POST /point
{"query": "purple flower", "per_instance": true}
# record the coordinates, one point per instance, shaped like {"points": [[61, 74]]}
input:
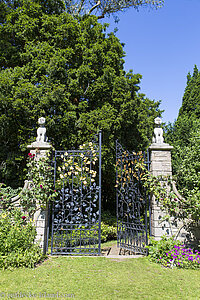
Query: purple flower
{"points": [[23, 217], [177, 247], [41, 186]]}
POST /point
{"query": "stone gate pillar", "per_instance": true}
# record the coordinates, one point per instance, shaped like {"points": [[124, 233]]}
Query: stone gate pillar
{"points": [[39, 148], [160, 156]]}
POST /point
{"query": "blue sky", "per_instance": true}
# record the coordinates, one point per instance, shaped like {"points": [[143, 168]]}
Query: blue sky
{"points": [[163, 45]]}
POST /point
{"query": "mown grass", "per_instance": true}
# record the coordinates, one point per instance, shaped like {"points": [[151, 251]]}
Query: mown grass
{"points": [[101, 278]]}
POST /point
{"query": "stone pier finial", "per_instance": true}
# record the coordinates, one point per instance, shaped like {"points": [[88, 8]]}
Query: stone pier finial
{"points": [[158, 132], [41, 132], [41, 139]]}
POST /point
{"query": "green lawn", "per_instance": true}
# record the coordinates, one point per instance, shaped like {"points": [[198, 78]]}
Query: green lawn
{"points": [[101, 278]]}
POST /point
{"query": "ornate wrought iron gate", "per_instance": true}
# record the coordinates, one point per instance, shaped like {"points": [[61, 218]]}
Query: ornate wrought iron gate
{"points": [[76, 216], [132, 202]]}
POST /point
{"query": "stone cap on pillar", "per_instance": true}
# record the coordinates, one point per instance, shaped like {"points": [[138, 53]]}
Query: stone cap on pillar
{"points": [[160, 147], [39, 145]]}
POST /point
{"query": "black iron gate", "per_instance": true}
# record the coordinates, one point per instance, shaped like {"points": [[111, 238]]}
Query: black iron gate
{"points": [[133, 211], [76, 216]]}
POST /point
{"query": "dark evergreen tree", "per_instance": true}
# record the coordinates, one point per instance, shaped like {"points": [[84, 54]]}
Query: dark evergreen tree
{"points": [[184, 136], [69, 71]]}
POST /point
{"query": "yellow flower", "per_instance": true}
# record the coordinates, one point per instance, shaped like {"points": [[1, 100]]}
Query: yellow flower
{"points": [[59, 168], [84, 182], [66, 153], [61, 176], [69, 173], [90, 144], [3, 216], [78, 168]]}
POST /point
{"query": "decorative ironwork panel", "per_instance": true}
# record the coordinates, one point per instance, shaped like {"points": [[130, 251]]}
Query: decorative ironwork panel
{"points": [[76, 223], [132, 201]]}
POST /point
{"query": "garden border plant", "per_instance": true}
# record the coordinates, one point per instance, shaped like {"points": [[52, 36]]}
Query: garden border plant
{"points": [[17, 230], [172, 253], [169, 251], [17, 236]]}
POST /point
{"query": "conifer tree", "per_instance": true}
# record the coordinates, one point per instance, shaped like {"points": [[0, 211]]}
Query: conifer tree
{"points": [[71, 72], [184, 136]]}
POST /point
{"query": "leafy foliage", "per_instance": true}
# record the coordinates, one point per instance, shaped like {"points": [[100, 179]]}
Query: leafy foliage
{"points": [[184, 135], [41, 192], [17, 235], [38, 193], [103, 8], [176, 208], [7, 193], [158, 249], [69, 71], [108, 227]]}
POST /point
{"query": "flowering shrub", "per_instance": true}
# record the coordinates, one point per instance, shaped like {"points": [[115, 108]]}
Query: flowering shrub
{"points": [[17, 235], [79, 168], [171, 253], [40, 173]]}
